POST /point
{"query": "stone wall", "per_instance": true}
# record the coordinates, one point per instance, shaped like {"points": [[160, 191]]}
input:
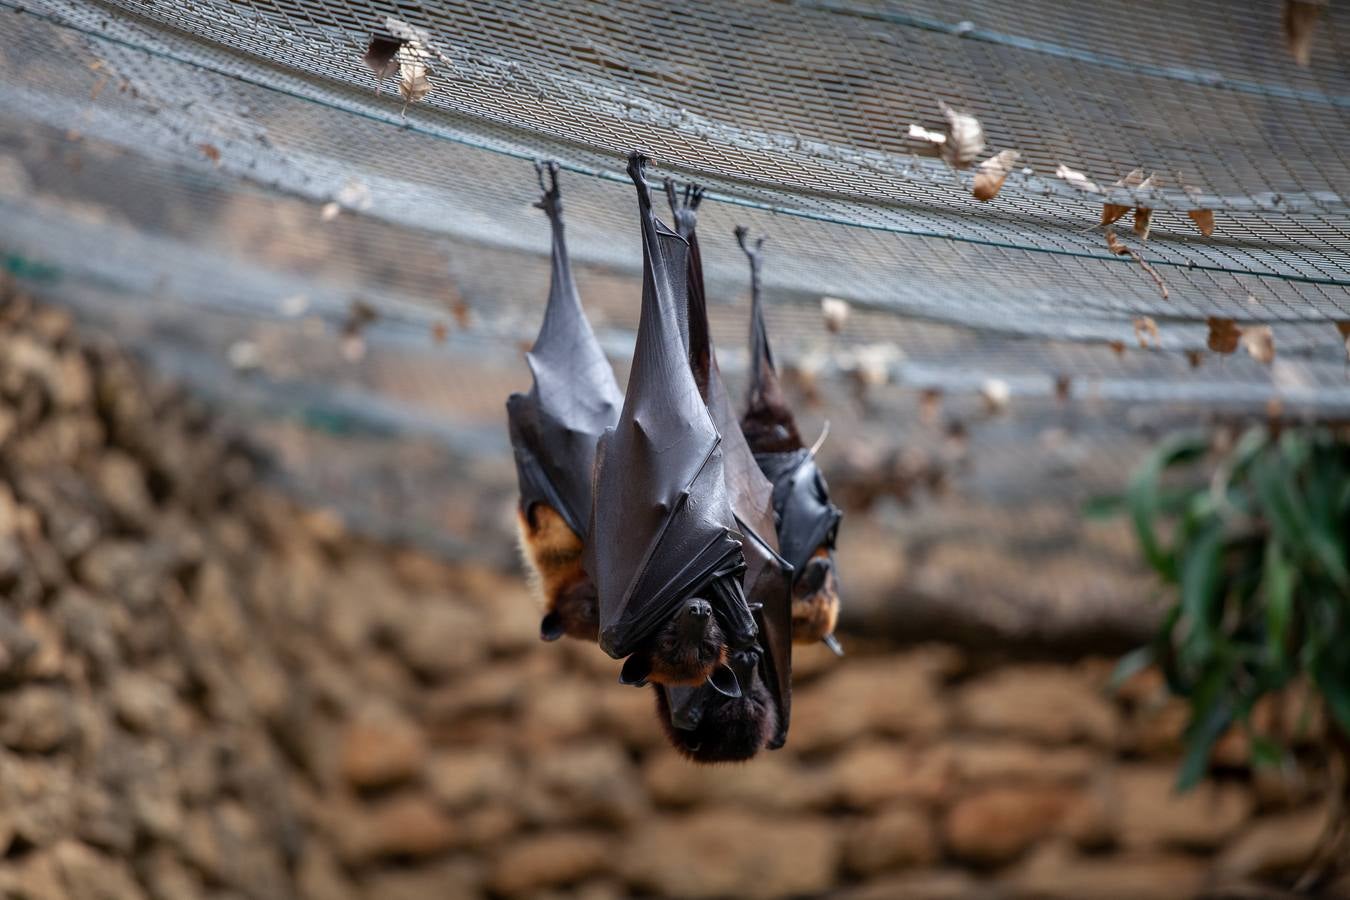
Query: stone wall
{"points": [[207, 692]]}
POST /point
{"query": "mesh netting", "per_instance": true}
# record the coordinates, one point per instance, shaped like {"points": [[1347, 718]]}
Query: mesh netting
{"points": [[164, 166]]}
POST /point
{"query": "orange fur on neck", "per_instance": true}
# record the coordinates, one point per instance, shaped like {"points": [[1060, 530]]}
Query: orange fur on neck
{"points": [[552, 553]]}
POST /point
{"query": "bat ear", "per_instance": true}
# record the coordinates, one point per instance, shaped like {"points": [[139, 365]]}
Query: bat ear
{"points": [[724, 681], [551, 627], [635, 670]]}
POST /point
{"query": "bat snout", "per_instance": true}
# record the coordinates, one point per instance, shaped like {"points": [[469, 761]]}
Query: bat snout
{"points": [[698, 609]]}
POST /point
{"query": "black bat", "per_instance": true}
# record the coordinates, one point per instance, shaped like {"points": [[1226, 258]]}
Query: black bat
{"points": [[554, 429], [808, 523], [664, 547], [700, 723]]}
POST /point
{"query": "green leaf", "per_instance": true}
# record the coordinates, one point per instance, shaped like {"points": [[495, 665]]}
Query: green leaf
{"points": [[1277, 587], [1132, 664], [1201, 573], [1266, 753], [1107, 506], [1142, 495], [1200, 738]]}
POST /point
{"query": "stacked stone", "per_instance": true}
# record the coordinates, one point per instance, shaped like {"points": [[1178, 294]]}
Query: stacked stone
{"points": [[207, 692]]}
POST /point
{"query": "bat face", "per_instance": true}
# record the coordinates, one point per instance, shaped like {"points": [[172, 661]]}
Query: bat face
{"points": [[552, 553], [707, 727], [815, 599]]}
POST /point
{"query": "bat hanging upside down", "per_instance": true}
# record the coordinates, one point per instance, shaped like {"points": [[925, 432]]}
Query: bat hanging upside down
{"points": [[808, 523], [554, 429]]}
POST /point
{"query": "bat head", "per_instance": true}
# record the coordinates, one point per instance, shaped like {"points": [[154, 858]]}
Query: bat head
{"points": [[708, 727], [815, 598], [688, 649], [552, 553]]}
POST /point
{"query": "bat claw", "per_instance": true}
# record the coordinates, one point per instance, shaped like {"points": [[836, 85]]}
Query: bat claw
{"points": [[832, 642], [550, 200]]}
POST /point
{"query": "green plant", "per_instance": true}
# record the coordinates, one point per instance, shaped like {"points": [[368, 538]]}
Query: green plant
{"points": [[1254, 542]]}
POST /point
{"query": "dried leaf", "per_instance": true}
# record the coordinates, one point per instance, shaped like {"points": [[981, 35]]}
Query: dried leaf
{"points": [[1117, 246], [1203, 219], [460, 310], [330, 211], [1063, 388], [414, 78], [1146, 332], [935, 139], [965, 138], [440, 332], [1077, 179], [930, 405], [996, 395], [1274, 409], [1195, 358], [1344, 328], [294, 306], [355, 195], [380, 57], [1300, 24], [211, 152], [1224, 335], [359, 315], [835, 312], [244, 356], [1111, 213], [1142, 217], [1259, 341], [1117, 347], [989, 179]]}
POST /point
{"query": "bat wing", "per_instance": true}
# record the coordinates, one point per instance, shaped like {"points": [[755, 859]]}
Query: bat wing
{"points": [[768, 421], [664, 526], [574, 398], [806, 517]]}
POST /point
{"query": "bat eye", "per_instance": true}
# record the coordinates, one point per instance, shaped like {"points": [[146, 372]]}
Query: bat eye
{"points": [[635, 670], [551, 627], [724, 681]]}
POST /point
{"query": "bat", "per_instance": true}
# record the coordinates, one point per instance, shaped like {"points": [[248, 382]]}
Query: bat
{"points": [[553, 430], [808, 523], [702, 724], [664, 546]]}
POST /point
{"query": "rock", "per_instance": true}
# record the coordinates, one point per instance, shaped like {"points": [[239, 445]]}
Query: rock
{"points": [[121, 484], [17, 644], [558, 710], [319, 877], [166, 877], [593, 782], [548, 860], [381, 747], [88, 875], [896, 837], [104, 822], [38, 798], [439, 639], [731, 853], [771, 781], [1044, 703], [1155, 730], [890, 695], [938, 884], [33, 876], [466, 778], [487, 825], [142, 703], [1274, 845], [456, 877], [48, 659], [36, 719], [1152, 813], [1056, 873], [871, 773], [628, 714], [1002, 761], [405, 826], [998, 824]]}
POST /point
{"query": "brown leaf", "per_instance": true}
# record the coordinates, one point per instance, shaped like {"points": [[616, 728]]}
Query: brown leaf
{"points": [[989, 179], [1146, 332], [1063, 388], [211, 152], [1343, 327], [1077, 179], [932, 140], [440, 332], [460, 310], [1195, 357], [1300, 24], [1259, 341], [1274, 409], [965, 138], [1111, 213], [1117, 246], [1224, 335], [380, 57], [1117, 347], [835, 313], [930, 405], [996, 395], [1203, 219], [359, 315], [1142, 217]]}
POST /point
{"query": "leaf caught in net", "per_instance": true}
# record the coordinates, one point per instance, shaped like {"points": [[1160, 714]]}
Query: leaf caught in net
{"points": [[1077, 179], [380, 57], [1300, 24], [211, 152], [1224, 335], [1146, 332], [989, 179], [965, 138], [1343, 328], [1117, 246], [1203, 219], [996, 395], [835, 312], [1259, 341]]}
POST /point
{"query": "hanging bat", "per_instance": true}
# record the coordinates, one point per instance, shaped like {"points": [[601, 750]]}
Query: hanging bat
{"points": [[664, 546], [554, 429], [808, 523], [702, 724]]}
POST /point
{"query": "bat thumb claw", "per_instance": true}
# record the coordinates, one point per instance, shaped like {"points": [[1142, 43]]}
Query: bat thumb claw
{"points": [[832, 642]]}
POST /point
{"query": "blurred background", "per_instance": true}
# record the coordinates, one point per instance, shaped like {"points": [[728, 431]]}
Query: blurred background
{"points": [[265, 632]]}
